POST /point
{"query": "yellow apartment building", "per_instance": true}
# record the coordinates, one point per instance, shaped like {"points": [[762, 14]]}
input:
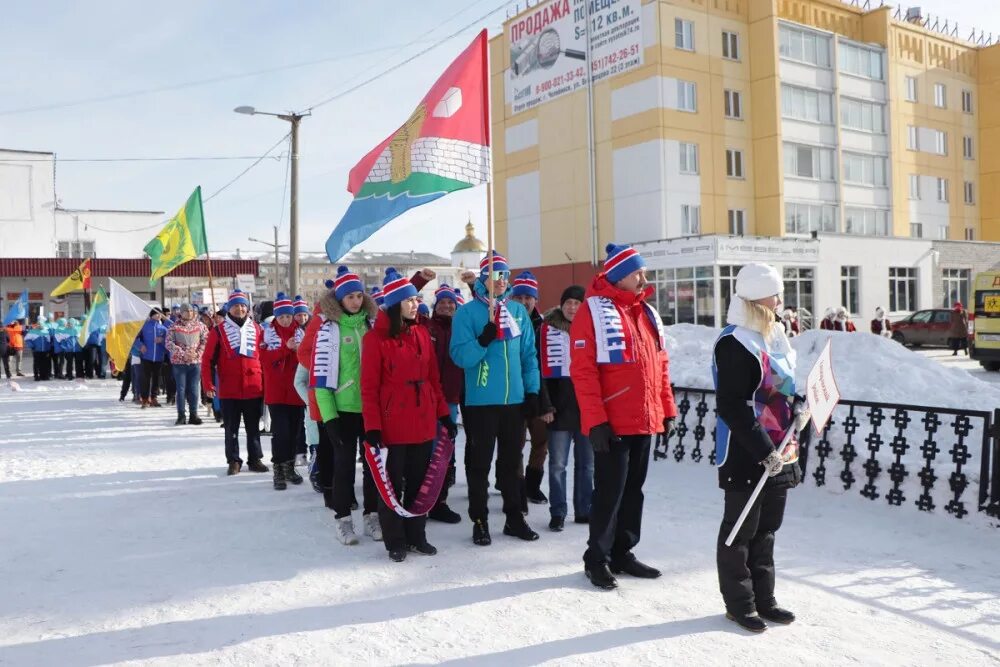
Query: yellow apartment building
{"points": [[848, 146]]}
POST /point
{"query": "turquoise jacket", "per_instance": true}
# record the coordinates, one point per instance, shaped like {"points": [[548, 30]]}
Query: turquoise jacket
{"points": [[504, 371]]}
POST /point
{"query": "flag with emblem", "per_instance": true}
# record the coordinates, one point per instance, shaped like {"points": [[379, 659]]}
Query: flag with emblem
{"points": [[79, 279], [444, 146], [181, 239]]}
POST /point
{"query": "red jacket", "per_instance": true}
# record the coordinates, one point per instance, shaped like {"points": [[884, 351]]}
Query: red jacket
{"points": [[452, 376], [279, 363], [400, 387], [239, 377], [635, 397]]}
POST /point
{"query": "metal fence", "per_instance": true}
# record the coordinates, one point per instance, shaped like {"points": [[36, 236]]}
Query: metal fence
{"points": [[887, 431]]}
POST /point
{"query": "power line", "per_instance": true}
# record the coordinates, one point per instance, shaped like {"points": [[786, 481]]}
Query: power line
{"points": [[199, 158], [408, 60], [242, 173]]}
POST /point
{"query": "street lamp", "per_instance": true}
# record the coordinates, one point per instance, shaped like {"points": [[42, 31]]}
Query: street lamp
{"points": [[293, 226]]}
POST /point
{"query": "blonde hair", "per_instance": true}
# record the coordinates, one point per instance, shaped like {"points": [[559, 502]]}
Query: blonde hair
{"points": [[760, 319]]}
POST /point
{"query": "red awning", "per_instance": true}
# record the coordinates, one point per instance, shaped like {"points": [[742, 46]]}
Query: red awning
{"points": [[58, 267]]}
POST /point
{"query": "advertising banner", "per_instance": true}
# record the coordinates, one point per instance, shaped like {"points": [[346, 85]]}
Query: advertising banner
{"points": [[548, 47]]}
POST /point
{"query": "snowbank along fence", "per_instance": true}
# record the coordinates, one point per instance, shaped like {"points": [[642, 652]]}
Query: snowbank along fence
{"points": [[905, 444]]}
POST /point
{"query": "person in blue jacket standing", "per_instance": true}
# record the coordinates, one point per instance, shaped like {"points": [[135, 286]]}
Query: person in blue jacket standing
{"points": [[497, 352], [152, 349], [38, 339]]}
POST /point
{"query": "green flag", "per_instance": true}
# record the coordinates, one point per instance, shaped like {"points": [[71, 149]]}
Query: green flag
{"points": [[97, 317], [181, 239]]}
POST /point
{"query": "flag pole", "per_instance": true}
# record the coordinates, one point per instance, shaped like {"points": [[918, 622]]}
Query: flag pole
{"points": [[487, 101], [211, 288]]}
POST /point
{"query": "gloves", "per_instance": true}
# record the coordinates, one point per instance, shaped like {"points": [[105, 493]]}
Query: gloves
{"points": [[531, 408], [601, 437], [374, 438], [802, 419], [773, 463], [449, 426], [669, 427], [488, 335]]}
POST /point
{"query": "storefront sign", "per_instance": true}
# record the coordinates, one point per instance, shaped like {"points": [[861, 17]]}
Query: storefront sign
{"points": [[767, 250], [548, 47]]}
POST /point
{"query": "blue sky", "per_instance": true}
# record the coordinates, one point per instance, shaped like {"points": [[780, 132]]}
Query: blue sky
{"points": [[60, 51], [66, 51]]}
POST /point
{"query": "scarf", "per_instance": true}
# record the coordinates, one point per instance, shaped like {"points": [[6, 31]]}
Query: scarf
{"points": [[555, 352], [325, 369], [272, 339], [507, 327], [430, 488], [241, 339], [614, 341]]}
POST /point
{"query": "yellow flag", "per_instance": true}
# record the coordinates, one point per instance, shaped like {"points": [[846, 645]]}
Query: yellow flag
{"points": [[128, 314], [79, 279]]}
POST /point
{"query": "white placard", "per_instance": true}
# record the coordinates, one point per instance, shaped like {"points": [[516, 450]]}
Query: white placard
{"points": [[245, 282], [821, 387]]}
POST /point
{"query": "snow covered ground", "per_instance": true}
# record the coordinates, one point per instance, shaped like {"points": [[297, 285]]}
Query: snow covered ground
{"points": [[124, 542]]}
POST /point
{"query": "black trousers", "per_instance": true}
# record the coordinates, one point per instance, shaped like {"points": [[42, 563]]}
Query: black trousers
{"points": [[167, 378], [58, 359], [746, 569], [405, 466], [41, 363], [79, 362], [616, 508], [324, 454], [351, 431], [126, 376], [488, 427], [232, 410], [6, 363], [286, 430], [151, 379]]}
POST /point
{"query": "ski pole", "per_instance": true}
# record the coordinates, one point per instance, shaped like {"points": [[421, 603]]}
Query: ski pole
{"points": [[757, 490]]}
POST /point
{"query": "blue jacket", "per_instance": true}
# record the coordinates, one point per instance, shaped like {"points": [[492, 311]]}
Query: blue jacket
{"points": [[504, 371], [151, 330], [38, 340], [97, 336]]}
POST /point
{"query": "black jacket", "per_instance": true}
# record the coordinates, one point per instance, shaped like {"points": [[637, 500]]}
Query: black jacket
{"points": [[749, 444], [560, 390]]}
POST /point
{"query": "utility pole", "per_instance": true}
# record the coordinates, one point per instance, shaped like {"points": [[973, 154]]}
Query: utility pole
{"points": [[277, 260]]}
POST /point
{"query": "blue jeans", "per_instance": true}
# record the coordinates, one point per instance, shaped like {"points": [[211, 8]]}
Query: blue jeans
{"points": [[187, 378], [583, 473]]}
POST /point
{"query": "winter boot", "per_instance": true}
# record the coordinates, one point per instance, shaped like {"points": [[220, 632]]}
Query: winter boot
{"points": [[345, 531], [777, 615], [398, 555], [481, 533], [372, 527], [217, 415], [556, 524], [519, 529], [635, 568], [601, 577], [290, 474], [144, 403], [751, 622], [181, 420], [153, 403], [426, 549], [255, 465], [279, 477], [444, 514], [533, 480], [195, 420], [328, 497], [234, 468]]}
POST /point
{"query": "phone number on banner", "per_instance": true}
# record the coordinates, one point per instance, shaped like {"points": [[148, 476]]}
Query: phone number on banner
{"points": [[561, 80], [615, 58]]}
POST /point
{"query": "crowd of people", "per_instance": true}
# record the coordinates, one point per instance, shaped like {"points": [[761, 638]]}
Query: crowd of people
{"points": [[56, 349], [378, 375]]}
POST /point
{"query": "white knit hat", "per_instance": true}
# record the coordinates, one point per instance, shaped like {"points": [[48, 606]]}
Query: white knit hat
{"points": [[758, 281]]}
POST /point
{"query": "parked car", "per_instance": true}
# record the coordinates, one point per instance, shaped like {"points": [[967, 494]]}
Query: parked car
{"points": [[924, 327]]}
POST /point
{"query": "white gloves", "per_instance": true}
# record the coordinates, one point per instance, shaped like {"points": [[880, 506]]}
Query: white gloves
{"points": [[802, 419], [773, 463]]}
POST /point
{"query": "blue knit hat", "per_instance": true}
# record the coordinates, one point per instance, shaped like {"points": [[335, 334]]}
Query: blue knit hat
{"points": [[300, 306], [377, 296], [396, 288], [424, 309], [237, 296], [525, 285], [346, 283], [499, 263], [444, 292], [283, 305], [622, 261]]}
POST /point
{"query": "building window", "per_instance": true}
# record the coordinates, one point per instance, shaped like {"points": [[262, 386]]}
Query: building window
{"points": [[799, 290], [688, 158], [804, 45], [912, 138], [730, 45], [865, 169], [940, 142], [911, 89], [734, 104], [809, 162], [970, 193], [684, 34], [737, 221], [687, 96], [915, 186], [849, 289], [75, 249], [685, 295], [902, 289], [863, 116], [866, 221], [955, 286], [727, 284], [916, 230], [806, 104], [967, 152], [734, 163], [807, 218], [967, 101], [940, 96], [970, 234], [942, 232], [942, 189], [690, 220], [860, 61]]}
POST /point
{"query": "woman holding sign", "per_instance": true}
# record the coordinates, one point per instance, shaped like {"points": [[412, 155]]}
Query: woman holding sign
{"points": [[754, 371], [402, 405]]}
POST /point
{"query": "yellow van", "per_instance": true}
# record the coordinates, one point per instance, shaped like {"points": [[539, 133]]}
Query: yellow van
{"points": [[985, 320]]}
